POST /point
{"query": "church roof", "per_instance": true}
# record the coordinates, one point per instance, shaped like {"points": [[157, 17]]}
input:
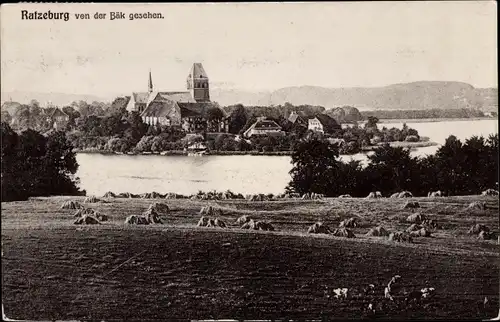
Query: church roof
{"points": [[141, 97], [184, 97], [159, 108], [197, 71]]}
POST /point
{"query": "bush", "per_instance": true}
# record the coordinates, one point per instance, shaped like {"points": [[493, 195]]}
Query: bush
{"points": [[411, 138]]}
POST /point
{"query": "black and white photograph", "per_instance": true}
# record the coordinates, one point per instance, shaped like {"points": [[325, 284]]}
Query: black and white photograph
{"points": [[241, 161]]}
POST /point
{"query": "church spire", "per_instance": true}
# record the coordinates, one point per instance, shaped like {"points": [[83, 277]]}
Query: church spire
{"points": [[150, 82]]}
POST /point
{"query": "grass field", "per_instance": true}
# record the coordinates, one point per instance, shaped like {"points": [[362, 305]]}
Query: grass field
{"points": [[52, 269]]}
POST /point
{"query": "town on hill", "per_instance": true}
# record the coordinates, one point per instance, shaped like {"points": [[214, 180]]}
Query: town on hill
{"points": [[158, 121]]}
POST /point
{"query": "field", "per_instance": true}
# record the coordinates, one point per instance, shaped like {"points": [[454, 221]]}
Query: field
{"points": [[52, 269]]}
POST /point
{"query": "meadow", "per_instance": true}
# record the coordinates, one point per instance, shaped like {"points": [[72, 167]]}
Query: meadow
{"points": [[53, 269]]}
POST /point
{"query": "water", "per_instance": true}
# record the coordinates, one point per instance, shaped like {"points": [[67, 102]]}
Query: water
{"points": [[240, 173]]}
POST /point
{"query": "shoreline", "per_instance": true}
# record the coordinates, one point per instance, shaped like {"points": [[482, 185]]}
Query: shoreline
{"points": [[434, 120], [421, 144]]}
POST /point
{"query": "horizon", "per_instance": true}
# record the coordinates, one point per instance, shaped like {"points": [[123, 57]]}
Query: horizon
{"points": [[388, 43]]}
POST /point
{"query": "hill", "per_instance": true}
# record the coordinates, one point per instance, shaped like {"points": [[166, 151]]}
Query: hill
{"points": [[413, 96], [406, 96]]}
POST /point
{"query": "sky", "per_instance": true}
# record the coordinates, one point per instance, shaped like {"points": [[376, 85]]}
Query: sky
{"points": [[253, 47]]}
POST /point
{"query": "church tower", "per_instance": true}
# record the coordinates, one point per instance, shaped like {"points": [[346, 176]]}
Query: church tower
{"points": [[197, 83], [150, 83]]}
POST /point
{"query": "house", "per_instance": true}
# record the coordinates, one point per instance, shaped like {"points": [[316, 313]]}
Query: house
{"points": [[322, 123], [57, 118], [263, 126], [186, 109], [297, 119]]}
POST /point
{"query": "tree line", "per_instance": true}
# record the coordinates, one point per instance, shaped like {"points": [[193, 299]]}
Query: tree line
{"points": [[434, 113], [111, 128], [458, 168]]}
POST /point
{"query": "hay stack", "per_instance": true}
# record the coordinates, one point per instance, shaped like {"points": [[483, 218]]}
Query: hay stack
{"points": [[343, 232], [219, 223], [416, 218], [422, 232], [319, 228], [250, 224], [243, 219], [405, 194], [109, 194], [136, 220], [259, 197], [152, 216], [345, 196], [91, 199], [70, 204], [211, 222], [83, 211], [374, 195], [210, 211], [433, 194], [378, 231], [485, 235], [411, 205], [90, 212], [400, 237], [490, 192], [202, 222], [430, 223], [351, 223], [262, 225], [126, 195], [414, 227], [86, 220], [478, 228], [257, 225], [171, 195], [159, 207], [477, 205]]}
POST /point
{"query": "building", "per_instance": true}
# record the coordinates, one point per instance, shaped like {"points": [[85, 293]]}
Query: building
{"points": [[263, 126], [323, 123], [57, 118], [188, 109], [297, 119]]}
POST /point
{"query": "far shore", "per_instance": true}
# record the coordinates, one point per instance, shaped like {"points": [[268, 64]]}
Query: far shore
{"points": [[433, 120], [268, 153]]}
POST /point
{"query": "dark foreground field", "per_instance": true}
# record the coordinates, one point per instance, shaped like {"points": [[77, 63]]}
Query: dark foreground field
{"points": [[52, 269]]}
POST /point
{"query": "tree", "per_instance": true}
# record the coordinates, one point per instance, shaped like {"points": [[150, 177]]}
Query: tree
{"points": [[237, 119], [5, 117], [214, 117], [392, 169], [34, 165], [371, 122], [73, 115], [315, 167]]}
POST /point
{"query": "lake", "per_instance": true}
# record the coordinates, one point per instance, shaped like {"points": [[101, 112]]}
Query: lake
{"points": [[240, 173]]}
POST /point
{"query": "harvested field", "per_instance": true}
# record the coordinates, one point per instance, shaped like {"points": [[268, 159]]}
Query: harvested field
{"points": [[52, 269]]}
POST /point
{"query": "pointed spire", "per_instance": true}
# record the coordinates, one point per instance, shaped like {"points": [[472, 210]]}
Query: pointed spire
{"points": [[150, 82]]}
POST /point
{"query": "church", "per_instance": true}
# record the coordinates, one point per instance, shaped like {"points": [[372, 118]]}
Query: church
{"points": [[189, 110]]}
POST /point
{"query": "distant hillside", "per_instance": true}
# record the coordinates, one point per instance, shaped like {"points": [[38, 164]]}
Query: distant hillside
{"points": [[409, 96], [413, 96], [58, 99]]}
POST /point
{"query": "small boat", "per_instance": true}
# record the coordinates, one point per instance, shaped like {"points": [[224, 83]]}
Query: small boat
{"points": [[197, 149], [163, 152], [196, 154]]}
